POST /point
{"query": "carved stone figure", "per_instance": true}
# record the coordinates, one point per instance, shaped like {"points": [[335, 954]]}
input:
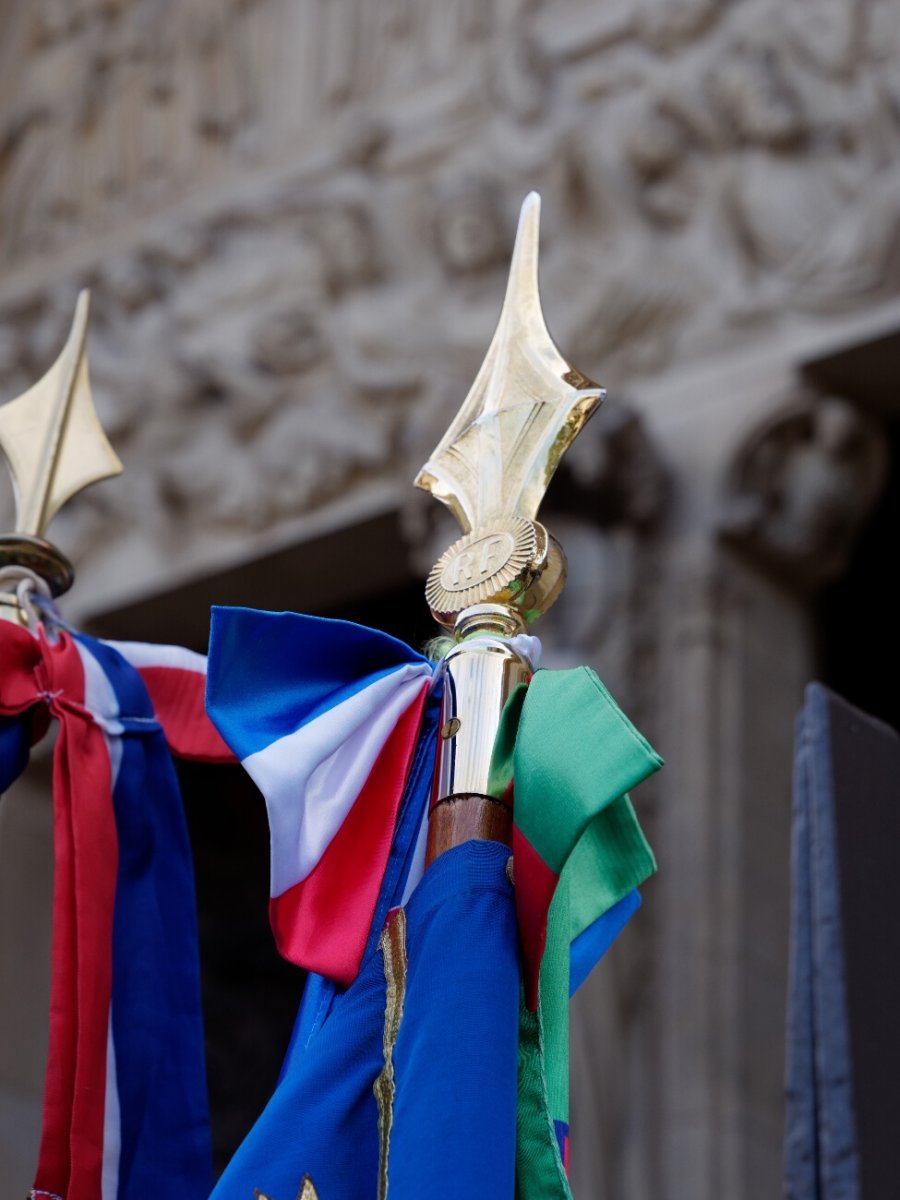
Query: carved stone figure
{"points": [[657, 150], [802, 485], [753, 94], [469, 227]]}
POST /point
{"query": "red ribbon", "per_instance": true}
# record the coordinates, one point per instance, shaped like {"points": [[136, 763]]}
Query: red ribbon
{"points": [[48, 677]]}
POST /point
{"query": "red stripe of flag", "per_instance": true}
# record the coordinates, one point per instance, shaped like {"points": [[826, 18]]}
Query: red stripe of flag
{"points": [[86, 853], [177, 695], [535, 885], [321, 922], [86, 776]]}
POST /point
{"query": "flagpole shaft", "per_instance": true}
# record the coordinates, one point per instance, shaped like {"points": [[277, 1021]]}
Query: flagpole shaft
{"points": [[10, 610], [33, 554], [480, 675], [458, 819]]}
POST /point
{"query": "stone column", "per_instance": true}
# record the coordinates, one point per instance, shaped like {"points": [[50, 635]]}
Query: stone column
{"points": [[736, 654], [678, 1039]]}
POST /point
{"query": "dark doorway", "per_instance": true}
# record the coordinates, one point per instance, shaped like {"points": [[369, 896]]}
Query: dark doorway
{"points": [[859, 615]]}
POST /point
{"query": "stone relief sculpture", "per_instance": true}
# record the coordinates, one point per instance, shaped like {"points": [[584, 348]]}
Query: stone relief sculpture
{"points": [[814, 225], [802, 485], [323, 228]]}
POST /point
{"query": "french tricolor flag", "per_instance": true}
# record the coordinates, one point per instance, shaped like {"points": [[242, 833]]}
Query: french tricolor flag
{"points": [[325, 716], [125, 1107]]}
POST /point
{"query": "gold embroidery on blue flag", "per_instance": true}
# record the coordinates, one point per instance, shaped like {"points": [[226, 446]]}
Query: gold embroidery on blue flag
{"points": [[307, 1191], [393, 949]]}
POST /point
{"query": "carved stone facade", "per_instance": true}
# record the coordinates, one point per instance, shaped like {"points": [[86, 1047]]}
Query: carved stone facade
{"points": [[295, 220]]}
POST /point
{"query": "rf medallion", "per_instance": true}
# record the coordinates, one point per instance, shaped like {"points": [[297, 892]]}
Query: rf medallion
{"points": [[494, 565]]}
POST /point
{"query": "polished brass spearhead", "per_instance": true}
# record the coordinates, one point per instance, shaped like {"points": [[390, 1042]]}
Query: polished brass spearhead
{"points": [[55, 447], [493, 465]]}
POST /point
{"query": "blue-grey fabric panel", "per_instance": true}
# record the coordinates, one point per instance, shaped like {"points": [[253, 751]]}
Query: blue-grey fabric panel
{"points": [[821, 1157]]}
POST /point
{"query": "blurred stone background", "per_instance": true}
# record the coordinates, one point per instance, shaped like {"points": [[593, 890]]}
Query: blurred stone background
{"points": [[295, 219]]}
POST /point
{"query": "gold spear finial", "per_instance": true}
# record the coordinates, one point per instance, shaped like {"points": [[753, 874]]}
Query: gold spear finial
{"points": [[55, 447], [493, 465]]}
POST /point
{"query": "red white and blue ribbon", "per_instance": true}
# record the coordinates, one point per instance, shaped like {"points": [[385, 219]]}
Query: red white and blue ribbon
{"points": [[125, 1109], [324, 715]]}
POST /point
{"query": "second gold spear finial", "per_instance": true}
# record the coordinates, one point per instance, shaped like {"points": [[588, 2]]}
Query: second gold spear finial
{"points": [[55, 447], [493, 465]]}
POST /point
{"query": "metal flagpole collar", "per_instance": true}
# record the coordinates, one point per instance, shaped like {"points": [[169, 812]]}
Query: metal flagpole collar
{"points": [[487, 619], [39, 556]]}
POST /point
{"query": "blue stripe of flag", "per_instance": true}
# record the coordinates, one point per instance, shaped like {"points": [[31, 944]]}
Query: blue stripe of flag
{"points": [[270, 673], [156, 1013], [15, 741], [592, 943]]}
